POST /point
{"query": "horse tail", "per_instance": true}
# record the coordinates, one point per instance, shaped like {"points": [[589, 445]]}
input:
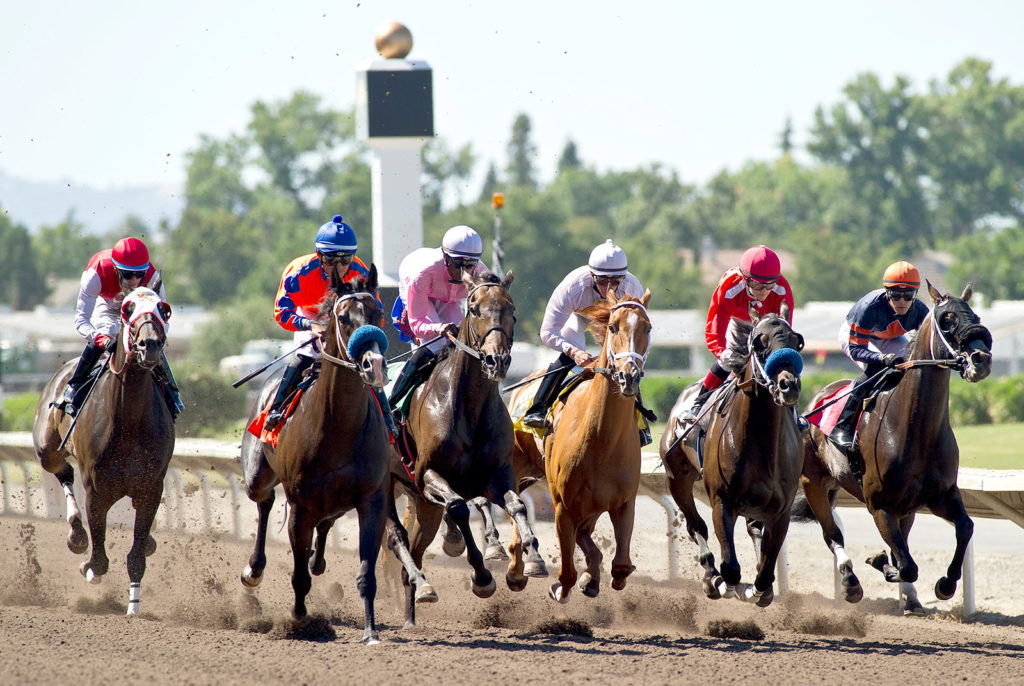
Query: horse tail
{"points": [[801, 509]]}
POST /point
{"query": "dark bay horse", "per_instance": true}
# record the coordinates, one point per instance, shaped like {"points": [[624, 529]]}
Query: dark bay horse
{"points": [[123, 440], [462, 435], [752, 456], [910, 454], [333, 453], [591, 457]]}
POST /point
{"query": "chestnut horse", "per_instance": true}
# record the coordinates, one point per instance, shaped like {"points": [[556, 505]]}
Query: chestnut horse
{"points": [[123, 439], [333, 453], [461, 434], [752, 455], [591, 457], [910, 454]]}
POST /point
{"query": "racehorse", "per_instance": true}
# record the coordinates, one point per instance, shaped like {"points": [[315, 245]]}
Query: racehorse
{"points": [[591, 457], [752, 455], [123, 439], [461, 434], [333, 454], [910, 454]]}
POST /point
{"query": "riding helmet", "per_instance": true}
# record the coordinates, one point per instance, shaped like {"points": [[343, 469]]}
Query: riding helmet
{"points": [[130, 254], [336, 236], [761, 264], [607, 259]]}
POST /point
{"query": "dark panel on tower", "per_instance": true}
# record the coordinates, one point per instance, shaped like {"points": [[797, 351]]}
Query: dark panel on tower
{"points": [[399, 103]]}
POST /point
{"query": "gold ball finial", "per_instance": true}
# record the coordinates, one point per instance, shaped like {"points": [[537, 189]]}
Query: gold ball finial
{"points": [[393, 40]]}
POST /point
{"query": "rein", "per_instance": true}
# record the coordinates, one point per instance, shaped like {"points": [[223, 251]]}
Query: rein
{"points": [[341, 362]]}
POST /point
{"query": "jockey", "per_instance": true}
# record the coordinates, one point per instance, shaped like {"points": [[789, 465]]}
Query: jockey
{"points": [[565, 319], [874, 337], [432, 294], [109, 276], [757, 281], [304, 285]]}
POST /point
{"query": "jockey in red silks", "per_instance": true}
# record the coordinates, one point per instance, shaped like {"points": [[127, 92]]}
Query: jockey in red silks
{"points": [[566, 317], [757, 281], [107, 279], [431, 295], [304, 285], [874, 337]]}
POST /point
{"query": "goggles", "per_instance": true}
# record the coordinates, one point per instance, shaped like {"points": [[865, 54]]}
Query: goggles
{"points": [[331, 259], [610, 281], [894, 295], [129, 274], [760, 285], [464, 263]]}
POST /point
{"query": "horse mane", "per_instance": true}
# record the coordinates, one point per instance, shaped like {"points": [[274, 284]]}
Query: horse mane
{"points": [[599, 315]]}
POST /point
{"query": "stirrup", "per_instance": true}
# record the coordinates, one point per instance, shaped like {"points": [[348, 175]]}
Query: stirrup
{"points": [[274, 417], [536, 420], [645, 437]]}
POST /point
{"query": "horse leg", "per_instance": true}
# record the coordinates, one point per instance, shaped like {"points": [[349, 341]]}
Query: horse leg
{"points": [[300, 534], [889, 526], [372, 518], [452, 542], [533, 563], [145, 513], [97, 564], [317, 563], [437, 489], [78, 539], [681, 488], [590, 580], [514, 576], [818, 501], [725, 523], [951, 508], [252, 575], [566, 529], [774, 534], [413, 579], [421, 521], [755, 530], [622, 524], [493, 549]]}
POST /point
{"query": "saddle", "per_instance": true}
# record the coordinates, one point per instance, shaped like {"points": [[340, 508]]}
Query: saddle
{"points": [[290, 402]]}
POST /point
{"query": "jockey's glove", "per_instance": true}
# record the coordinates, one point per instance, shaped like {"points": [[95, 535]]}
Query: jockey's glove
{"points": [[892, 359]]}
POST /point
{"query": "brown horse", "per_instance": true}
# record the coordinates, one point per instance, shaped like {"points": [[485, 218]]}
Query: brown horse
{"points": [[752, 456], [462, 435], [123, 439], [910, 454], [333, 454], [591, 457]]}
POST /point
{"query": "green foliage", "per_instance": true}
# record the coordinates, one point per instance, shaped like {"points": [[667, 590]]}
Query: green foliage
{"points": [[21, 282], [1006, 399], [521, 152], [19, 411], [992, 262], [661, 392], [242, 320], [63, 250], [969, 403], [211, 404]]}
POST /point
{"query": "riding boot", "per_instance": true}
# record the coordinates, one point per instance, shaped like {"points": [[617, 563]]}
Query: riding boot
{"points": [[843, 433], [385, 410], [170, 388], [537, 416], [649, 417], [289, 380], [86, 362], [419, 365], [698, 403]]}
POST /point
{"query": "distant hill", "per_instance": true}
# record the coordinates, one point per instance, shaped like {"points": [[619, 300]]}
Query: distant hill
{"points": [[34, 204]]}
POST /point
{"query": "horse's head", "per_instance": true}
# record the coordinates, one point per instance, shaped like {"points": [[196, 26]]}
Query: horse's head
{"points": [[490, 322], [352, 316], [144, 319], [965, 339], [624, 329], [775, 355]]}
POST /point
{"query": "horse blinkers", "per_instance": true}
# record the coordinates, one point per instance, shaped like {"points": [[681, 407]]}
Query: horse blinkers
{"points": [[960, 327]]}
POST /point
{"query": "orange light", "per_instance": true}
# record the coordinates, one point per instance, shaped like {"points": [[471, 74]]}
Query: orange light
{"points": [[498, 201]]}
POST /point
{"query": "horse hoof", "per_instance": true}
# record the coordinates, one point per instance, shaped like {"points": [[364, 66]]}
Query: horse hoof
{"points": [[495, 552], [316, 568], [370, 638], [425, 594], [764, 599], [90, 576], [908, 574], [249, 577], [589, 586], [555, 592], [945, 588], [515, 583], [854, 593], [78, 539], [535, 569], [301, 622], [150, 546], [711, 589], [133, 608], [726, 590], [878, 561], [486, 590], [452, 544], [913, 608]]}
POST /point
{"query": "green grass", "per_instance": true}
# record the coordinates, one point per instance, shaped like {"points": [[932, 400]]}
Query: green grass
{"points": [[991, 446]]}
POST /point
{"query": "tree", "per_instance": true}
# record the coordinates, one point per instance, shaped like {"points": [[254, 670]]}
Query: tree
{"points": [[521, 153], [786, 138], [21, 283], [569, 159], [991, 261], [490, 184], [63, 250], [444, 170]]}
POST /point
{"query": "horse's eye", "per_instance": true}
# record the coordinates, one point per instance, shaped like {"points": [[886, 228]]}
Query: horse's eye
{"points": [[475, 311], [614, 328], [948, 320]]}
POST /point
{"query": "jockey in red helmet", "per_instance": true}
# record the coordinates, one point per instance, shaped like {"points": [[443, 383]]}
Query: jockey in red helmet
{"points": [[756, 281], [109, 276]]}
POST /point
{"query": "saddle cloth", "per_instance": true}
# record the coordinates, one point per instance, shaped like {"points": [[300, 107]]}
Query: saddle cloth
{"points": [[827, 418], [271, 437]]}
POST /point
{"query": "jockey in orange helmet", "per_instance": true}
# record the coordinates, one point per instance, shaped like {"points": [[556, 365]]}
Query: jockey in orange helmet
{"points": [[874, 337], [109, 276], [304, 285], [756, 281]]}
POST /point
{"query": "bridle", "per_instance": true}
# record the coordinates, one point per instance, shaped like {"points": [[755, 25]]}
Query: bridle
{"points": [[476, 351], [632, 357], [345, 361], [959, 359], [129, 336], [759, 373]]}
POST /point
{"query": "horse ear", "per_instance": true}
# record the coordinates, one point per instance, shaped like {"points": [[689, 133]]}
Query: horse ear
{"points": [[784, 311], [968, 291], [371, 280], [646, 299], [468, 280], [934, 292], [611, 296], [127, 309], [755, 316], [507, 281], [165, 310]]}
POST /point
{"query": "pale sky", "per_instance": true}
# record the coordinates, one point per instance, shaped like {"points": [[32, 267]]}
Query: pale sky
{"points": [[111, 94]]}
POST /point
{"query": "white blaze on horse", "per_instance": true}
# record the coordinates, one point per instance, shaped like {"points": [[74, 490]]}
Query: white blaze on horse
{"points": [[122, 439]]}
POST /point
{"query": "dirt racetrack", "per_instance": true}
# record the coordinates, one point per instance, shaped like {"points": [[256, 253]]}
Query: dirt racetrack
{"points": [[198, 627]]}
